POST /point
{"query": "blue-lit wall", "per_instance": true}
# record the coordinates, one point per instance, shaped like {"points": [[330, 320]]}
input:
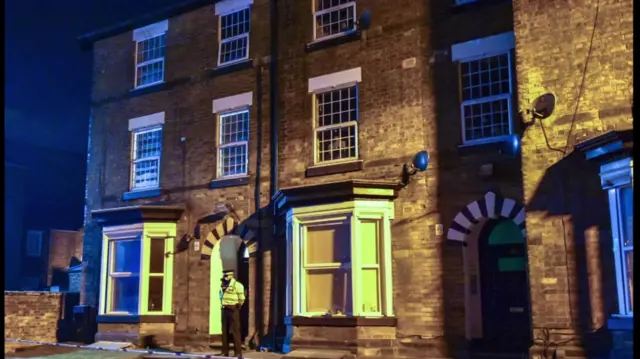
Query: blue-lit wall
{"points": [[46, 193]]}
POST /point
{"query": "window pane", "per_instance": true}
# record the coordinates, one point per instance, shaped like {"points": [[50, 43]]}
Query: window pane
{"points": [[328, 244], [370, 291], [485, 77], [125, 294], [126, 256], [486, 119], [156, 263], [629, 269], [233, 160], [334, 20], [626, 205], [148, 144], [329, 290], [155, 293], [369, 247]]}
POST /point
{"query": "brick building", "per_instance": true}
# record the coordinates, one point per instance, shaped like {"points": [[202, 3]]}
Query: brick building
{"points": [[200, 160]]}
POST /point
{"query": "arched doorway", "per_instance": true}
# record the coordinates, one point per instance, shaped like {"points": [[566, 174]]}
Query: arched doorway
{"points": [[504, 284], [227, 247], [495, 269]]}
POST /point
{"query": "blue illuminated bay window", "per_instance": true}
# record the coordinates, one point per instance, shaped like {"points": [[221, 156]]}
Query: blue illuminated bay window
{"points": [[617, 179]]}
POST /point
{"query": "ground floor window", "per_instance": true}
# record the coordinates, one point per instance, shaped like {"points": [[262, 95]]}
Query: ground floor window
{"points": [[137, 275], [340, 256], [617, 179]]}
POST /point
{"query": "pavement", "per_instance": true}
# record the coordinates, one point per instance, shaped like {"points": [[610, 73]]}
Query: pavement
{"points": [[53, 352]]}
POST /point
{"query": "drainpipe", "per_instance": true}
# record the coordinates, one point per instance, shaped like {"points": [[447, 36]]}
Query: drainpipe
{"points": [[259, 278], [273, 97]]}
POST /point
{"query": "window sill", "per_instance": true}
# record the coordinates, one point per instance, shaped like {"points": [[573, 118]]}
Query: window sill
{"points": [[227, 69], [320, 44], [341, 321], [134, 319], [157, 87], [490, 145], [472, 6], [139, 194], [229, 182], [620, 322], [337, 168]]}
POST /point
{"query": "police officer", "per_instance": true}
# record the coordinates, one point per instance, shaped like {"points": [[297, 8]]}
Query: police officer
{"points": [[232, 297]]}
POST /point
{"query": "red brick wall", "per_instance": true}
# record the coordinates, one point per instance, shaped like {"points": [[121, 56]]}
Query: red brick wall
{"points": [[558, 47], [63, 246], [402, 111], [32, 315], [187, 167]]}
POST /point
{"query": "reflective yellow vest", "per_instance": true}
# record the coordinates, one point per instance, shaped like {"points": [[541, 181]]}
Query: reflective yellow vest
{"points": [[234, 294]]}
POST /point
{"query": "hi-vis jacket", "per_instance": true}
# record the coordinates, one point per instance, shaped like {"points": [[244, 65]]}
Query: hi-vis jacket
{"points": [[234, 294]]}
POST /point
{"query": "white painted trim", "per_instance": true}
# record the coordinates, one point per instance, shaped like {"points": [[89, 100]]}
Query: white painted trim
{"points": [[336, 79], [227, 6], [483, 47], [616, 174], [233, 102], [150, 31], [146, 121]]}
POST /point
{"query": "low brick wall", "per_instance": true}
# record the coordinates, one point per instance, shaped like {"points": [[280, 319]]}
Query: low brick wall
{"points": [[32, 315]]}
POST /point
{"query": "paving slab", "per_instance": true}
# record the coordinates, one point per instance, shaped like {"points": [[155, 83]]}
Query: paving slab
{"points": [[70, 353]]}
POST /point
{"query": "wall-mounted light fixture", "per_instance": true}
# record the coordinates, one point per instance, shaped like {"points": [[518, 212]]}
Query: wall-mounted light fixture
{"points": [[419, 164]]}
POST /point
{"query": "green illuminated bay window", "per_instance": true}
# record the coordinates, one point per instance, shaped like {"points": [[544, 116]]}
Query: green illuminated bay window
{"points": [[136, 273], [340, 256]]}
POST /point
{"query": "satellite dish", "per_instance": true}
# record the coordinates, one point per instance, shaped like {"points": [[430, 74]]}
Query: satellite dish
{"points": [[421, 161], [544, 105], [364, 22]]}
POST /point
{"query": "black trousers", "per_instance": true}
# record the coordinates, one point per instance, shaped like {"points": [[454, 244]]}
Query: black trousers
{"points": [[231, 321]]}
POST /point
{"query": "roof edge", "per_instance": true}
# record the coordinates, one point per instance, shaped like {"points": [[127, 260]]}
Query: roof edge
{"points": [[86, 40]]}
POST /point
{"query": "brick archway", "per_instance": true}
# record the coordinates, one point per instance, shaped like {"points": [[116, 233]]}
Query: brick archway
{"points": [[228, 225], [491, 206]]}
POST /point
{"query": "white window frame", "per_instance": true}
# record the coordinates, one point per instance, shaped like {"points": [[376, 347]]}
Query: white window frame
{"points": [[115, 275], [34, 243], [352, 212], [144, 232], [221, 146], [506, 96], [224, 41], [316, 128], [147, 33], [616, 176], [134, 160], [325, 11]]}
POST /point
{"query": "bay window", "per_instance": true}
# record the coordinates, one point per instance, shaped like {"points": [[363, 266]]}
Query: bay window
{"points": [[137, 275], [617, 179], [340, 256]]}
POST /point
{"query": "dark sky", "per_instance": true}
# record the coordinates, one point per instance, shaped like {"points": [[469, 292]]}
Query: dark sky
{"points": [[47, 76]]}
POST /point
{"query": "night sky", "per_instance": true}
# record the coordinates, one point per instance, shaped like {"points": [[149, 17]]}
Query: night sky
{"points": [[47, 76]]}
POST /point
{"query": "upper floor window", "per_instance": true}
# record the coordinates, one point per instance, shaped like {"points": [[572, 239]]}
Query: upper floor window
{"points": [[485, 88], [336, 130], [333, 18], [146, 150], [234, 36], [34, 243], [233, 144], [336, 116], [150, 50], [233, 135]]}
